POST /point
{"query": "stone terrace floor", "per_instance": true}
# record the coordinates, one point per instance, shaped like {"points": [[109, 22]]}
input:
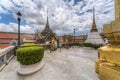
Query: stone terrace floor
{"points": [[69, 64]]}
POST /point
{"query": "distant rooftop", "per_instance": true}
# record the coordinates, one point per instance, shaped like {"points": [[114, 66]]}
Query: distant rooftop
{"points": [[7, 37]]}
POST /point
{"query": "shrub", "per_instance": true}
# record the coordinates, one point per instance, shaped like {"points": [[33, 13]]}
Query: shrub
{"points": [[95, 46], [86, 44], [29, 45], [30, 55], [76, 43]]}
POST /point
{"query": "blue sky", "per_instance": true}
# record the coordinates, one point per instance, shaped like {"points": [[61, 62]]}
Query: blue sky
{"points": [[64, 15]]}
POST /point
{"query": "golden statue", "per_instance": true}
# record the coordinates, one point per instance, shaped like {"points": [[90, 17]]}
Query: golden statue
{"points": [[53, 44], [66, 43]]}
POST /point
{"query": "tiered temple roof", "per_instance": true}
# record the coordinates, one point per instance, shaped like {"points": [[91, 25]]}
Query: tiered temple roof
{"points": [[46, 35]]}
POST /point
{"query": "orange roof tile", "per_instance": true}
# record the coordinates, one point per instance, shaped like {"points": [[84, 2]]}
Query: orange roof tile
{"points": [[5, 35], [4, 45], [28, 35], [15, 35], [78, 37], [5, 41]]}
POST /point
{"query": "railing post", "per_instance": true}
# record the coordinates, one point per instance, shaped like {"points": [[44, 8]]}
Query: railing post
{"points": [[5, 59]]}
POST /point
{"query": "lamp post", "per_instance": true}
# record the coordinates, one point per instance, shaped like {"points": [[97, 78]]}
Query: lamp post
{"points": [[19, 18], [74, 34]]}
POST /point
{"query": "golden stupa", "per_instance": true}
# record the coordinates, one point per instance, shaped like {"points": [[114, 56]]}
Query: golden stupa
{"points": [[108, 64]]}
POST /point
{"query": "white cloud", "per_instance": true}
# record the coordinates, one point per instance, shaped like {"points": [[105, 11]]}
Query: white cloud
{"points": [[13, 27], [1, 10], [63, 16]]}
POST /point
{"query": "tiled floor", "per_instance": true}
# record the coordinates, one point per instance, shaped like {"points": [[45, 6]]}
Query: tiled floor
{"points": [[69, 64]]}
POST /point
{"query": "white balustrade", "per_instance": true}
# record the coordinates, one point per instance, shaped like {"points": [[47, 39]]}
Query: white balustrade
{"points": [[6, 55]]}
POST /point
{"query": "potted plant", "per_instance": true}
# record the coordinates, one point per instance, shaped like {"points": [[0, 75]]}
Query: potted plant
{"points": [[87, 44], [76, 43], [29, 45], [30, 59]]}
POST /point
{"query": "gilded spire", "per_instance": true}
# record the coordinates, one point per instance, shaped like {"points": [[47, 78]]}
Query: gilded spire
{"points": [[94, 28]]}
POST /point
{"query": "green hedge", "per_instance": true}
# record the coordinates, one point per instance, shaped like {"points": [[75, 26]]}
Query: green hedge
{"points": [[76, 43], [86, 44], [29, 55], [29, 45]]}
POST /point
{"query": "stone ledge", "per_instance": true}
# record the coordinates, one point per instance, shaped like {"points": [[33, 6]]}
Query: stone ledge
{"points": [[108, 71], [97, 63], [110, 53], [89, 48], [29, 69]]}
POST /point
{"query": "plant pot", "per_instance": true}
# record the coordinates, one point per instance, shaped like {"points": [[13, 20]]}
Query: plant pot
{"points": [[29, 69]]}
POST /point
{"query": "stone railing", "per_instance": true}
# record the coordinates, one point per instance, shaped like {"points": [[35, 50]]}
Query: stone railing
{"points": [[6, 55]]}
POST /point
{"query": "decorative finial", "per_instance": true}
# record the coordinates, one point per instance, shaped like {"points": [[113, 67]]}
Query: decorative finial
{"points": [[94, 28], [93, 15]]}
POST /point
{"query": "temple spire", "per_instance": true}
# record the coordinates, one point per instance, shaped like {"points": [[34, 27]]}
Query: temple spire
{"points": [[47, 23], [94, 28], [47, 28]]}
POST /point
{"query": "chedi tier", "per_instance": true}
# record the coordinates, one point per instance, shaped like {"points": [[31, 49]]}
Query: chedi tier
{"points": [[46, 35], [94, 36]]}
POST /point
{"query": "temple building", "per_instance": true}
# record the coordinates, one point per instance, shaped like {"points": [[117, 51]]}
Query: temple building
{"points": [[46, 36], [94, 36]]}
